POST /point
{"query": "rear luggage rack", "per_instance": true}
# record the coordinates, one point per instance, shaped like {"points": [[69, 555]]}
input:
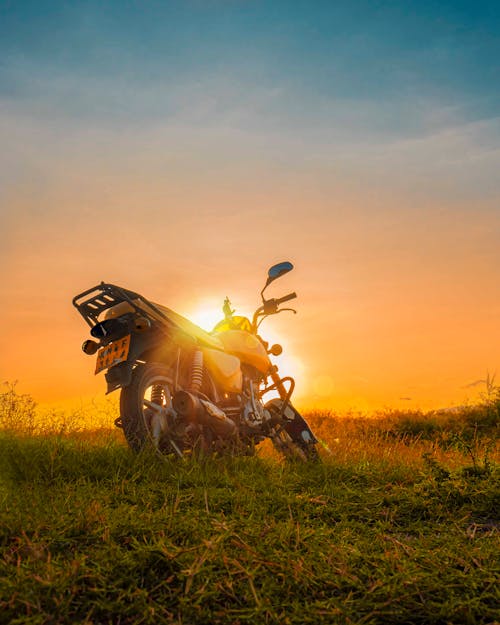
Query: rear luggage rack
{"points": [[93, 302]]}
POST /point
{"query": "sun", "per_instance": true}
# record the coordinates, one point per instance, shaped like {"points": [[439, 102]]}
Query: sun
{"points": [[206, 315]]}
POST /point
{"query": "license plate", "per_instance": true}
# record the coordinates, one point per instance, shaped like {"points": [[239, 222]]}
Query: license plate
{"points": [[112, 354]]}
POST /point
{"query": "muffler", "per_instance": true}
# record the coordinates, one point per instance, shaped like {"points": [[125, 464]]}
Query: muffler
{"points": [[203, 412]]}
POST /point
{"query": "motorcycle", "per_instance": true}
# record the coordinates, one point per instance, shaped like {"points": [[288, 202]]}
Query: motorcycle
{"points": [[184, 390]]}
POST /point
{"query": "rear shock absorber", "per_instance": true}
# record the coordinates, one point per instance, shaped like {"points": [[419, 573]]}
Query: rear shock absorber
{"points": [[157, 394], [196, 377]]}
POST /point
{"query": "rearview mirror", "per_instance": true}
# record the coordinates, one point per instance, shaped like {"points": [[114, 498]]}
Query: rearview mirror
{"points": [[276, 271]]}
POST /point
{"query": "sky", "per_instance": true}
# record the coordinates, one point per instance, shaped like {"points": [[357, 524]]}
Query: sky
{"points": [[180, 148]]}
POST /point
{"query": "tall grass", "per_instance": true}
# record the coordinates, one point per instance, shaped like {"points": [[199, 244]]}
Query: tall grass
{"points": [[20, 414], [392, 527]]}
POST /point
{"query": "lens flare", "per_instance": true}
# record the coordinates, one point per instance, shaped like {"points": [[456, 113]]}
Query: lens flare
{"points": [[206, 315]]}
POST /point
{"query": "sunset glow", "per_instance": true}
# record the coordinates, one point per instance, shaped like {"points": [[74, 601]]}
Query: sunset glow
{"points": [[206, 315], [362, 145]]}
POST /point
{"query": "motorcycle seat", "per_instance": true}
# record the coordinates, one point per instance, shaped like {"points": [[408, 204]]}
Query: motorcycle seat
{"points": [[181, 322], [191, 328]]}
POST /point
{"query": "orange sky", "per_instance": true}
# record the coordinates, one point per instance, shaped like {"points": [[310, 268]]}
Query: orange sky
{"points": [[179, 149], [395, 300]]}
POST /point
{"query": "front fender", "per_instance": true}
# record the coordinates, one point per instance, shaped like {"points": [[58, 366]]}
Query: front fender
{"points": [[294, 423]]}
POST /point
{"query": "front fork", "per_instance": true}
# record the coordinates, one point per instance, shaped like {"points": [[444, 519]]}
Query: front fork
{"points": [[279, 385], [292, 421]]}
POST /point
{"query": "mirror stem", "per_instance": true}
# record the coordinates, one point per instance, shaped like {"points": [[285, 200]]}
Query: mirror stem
{"points": [[265, 287]]}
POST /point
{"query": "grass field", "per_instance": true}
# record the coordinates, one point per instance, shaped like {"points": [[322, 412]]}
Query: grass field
{"points": [[398, 524]]}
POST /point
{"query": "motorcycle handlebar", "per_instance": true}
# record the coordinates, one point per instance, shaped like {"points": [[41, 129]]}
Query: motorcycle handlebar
{"points": [[270, 307], [286, 298]]}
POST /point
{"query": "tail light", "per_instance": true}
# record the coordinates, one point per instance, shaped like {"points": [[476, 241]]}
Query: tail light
{"points": [[90, 347]]}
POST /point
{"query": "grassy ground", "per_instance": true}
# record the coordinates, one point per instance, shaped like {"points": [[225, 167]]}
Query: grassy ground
{"points": [[393, 527]]}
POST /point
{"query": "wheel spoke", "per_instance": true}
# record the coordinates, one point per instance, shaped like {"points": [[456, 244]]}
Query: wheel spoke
{"points": [[176, 448], [156, 429], [152, 406]]}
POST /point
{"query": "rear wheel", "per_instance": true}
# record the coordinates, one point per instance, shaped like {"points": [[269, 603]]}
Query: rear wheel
{"points": [[145, 409]]}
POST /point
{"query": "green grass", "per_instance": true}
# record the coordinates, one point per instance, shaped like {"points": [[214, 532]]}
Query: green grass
{"points": [[90, 533]]}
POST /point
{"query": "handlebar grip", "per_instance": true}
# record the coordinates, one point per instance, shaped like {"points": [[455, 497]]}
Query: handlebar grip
{"points": [[286, 298]]}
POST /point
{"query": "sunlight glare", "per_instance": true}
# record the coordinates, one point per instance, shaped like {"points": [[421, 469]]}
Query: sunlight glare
{"points": [[207, 315], [209, 312]]}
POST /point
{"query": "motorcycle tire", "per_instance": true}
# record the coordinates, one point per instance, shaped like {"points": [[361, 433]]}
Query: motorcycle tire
{"points": [[152, 381], [289, 439], [311, 452], [294, 451]]}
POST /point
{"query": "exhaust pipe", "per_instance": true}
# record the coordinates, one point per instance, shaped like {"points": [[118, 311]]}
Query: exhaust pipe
{"points": [[203, 412]]}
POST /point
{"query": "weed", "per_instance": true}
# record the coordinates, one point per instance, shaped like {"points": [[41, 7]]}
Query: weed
{"points": [[392, 527], [435, 468], [17, 411]]}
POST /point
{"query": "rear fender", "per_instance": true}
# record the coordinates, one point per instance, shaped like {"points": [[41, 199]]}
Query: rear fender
{"points": [[152, 346]]}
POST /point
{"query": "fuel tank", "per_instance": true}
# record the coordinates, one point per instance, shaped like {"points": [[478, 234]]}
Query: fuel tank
{"points": [[246, 347]]}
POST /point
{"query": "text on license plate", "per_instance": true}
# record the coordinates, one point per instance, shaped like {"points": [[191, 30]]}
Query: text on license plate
{"points": [[112, 354]]}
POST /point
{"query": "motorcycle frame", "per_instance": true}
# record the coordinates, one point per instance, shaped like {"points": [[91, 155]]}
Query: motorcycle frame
{"points": [[164, 342], [164, 339], [106, 296]]}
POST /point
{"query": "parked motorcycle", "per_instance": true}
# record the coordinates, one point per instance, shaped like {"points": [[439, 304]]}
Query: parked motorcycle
{"points": [[185, 390]]}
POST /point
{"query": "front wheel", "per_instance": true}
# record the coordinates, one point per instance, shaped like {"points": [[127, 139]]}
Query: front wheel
{"points": [[145, 408], [294, 450], [293, 438]]}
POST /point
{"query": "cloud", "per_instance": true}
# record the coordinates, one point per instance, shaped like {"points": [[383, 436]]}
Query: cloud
{"points": [[221, 129]]}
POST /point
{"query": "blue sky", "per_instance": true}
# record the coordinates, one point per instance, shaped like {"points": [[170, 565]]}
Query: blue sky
{"points": [[322, 82], [374, 51]]}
